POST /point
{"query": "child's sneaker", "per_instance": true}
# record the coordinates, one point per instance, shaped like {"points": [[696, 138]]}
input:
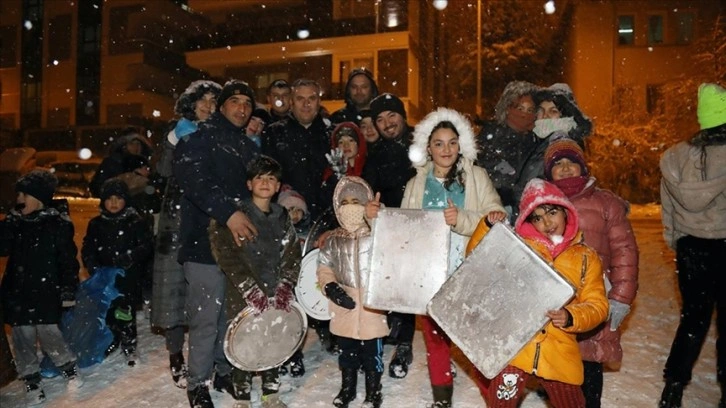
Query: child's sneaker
{"points": [[178, 369], [34, 394], [131, 356], [70, 373], [272, 401]]}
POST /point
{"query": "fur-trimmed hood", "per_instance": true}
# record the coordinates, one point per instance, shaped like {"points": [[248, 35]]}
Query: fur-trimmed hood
{"points": [[467, 139], [351, 185]]}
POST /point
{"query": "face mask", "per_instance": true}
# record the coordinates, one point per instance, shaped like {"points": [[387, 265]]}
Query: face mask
{"points": [[351, 216], [545, 127]]}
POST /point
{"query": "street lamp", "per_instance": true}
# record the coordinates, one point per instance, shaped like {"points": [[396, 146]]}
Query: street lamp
{"points": [[478, 58]]}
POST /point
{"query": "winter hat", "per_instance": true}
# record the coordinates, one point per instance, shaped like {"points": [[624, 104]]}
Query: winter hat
{"points": [[563, 147], [262, 114], [349, 129], [512, 92], [290, 198], [352, 186], [387, 102], [561, 95], [365, 113], [40, 184], [235, 87], [278, 83], [417, 153], [536, 193], [114, 187], [711, 106], [186, 102]]}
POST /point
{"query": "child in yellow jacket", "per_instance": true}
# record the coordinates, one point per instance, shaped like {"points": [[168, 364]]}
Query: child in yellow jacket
{"points": [[548, 222]]}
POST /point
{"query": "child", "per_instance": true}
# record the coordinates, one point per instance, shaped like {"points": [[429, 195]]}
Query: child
{"points": [[605, 227], [40, 278], [342, 274], [119, 237], [548, 222], [443, 152], [261, 273], [297, 209]]}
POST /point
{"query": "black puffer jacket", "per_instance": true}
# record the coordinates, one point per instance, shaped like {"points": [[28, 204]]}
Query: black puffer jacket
{"points": [[301, 153], [113, 165], [210, 166], [388, 168], [122, 240], [42, 267]]}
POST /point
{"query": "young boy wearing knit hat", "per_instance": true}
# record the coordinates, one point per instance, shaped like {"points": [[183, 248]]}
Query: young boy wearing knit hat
{"points": [[606, 228], [41, 277], [693, 196]]}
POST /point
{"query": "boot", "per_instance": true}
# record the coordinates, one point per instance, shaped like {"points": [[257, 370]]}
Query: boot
{"points": [[199, 397], [672, 394], [297, 366], [70, 373], [402, 358], [33, 389], [178, 369], [374, 397], [348, 388], [224, 383], [442, 396]]}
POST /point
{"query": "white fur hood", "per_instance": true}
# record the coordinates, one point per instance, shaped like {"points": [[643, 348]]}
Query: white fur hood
{"points": [[417, 153]]}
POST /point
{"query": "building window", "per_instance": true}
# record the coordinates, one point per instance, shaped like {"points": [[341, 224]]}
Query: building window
{"points": [[626, 30], [655, 29], [684, 28], [8, 46], [393, 71], [59, 46], [655, 100]]}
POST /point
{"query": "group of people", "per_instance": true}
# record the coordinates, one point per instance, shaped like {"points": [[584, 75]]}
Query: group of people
{"points": [[243, 185]]}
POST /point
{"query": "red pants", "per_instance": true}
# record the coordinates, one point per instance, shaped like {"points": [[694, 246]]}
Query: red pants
{"points": [[438, 352], [507, 389]]}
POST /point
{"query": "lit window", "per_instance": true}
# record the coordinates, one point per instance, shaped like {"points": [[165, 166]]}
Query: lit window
{"points": [[626, 30], [655, 29]]}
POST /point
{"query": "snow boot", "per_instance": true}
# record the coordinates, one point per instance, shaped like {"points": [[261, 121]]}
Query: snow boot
{"points": [[402, 358], [70, 373], [115, 343], [199, 397], [178, 369], [224, 383], [442, 396], [272, 401], [297, 366], [127, 333], [672, 395], [34, 394], [374, 396], [348, 388]]}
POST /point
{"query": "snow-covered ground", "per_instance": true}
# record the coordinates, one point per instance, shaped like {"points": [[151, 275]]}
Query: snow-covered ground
{"points": [[637, 383]]}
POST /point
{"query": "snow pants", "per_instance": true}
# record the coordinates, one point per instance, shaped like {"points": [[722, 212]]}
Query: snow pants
{"points": [[205, 309], [438, 352], [702, 282], [51, 342], [355, 354], [508, 387]]}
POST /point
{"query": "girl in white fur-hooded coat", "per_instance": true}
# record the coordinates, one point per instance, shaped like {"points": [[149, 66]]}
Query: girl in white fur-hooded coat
{"points": [[443, 152]]}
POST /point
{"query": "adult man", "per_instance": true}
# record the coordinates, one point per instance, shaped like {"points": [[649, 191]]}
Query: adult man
{"points": [[129, 143], [360, 90], [209, 165], [278, 97], [299, 143], [387, 170], [507, 146]]}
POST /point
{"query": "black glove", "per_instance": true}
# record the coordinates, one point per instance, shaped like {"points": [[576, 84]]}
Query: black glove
{"points": [[337, 294]]}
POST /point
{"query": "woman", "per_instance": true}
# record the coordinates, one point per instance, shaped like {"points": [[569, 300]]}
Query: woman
{"points": [[196, 104], [443, 152]]}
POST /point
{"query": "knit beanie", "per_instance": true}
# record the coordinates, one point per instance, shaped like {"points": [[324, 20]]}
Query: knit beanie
{"points": [[114, 187], [563, 147], [387, 102], [290, 198], [711, 106], [40, 184], [262, 114], [235, 87]]}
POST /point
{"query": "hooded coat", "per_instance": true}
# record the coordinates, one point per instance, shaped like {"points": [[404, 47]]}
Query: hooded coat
{"points": [[349, 113], [41, 267], [345, 259], [553, 353], [692, 192], [480, 196], [113, 165]]}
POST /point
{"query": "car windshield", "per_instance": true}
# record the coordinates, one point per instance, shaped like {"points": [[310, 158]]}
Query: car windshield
{"points": [[73, 177]]}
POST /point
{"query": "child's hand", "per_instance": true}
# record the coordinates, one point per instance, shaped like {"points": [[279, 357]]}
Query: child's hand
{"points": [[373, 206], [256, 299], [450, 214], [560, 318], [496, 216], [337, 161], [337, 295]]}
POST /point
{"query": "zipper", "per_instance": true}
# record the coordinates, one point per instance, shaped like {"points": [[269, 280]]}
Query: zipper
{"points": [[536, 359]]}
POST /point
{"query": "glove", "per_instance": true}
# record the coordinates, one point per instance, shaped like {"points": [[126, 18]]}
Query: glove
{"points": [[123, 260], [337, 162], [618, 311], [257, 299], [337, 294], [283, 296], [68, 298]]}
